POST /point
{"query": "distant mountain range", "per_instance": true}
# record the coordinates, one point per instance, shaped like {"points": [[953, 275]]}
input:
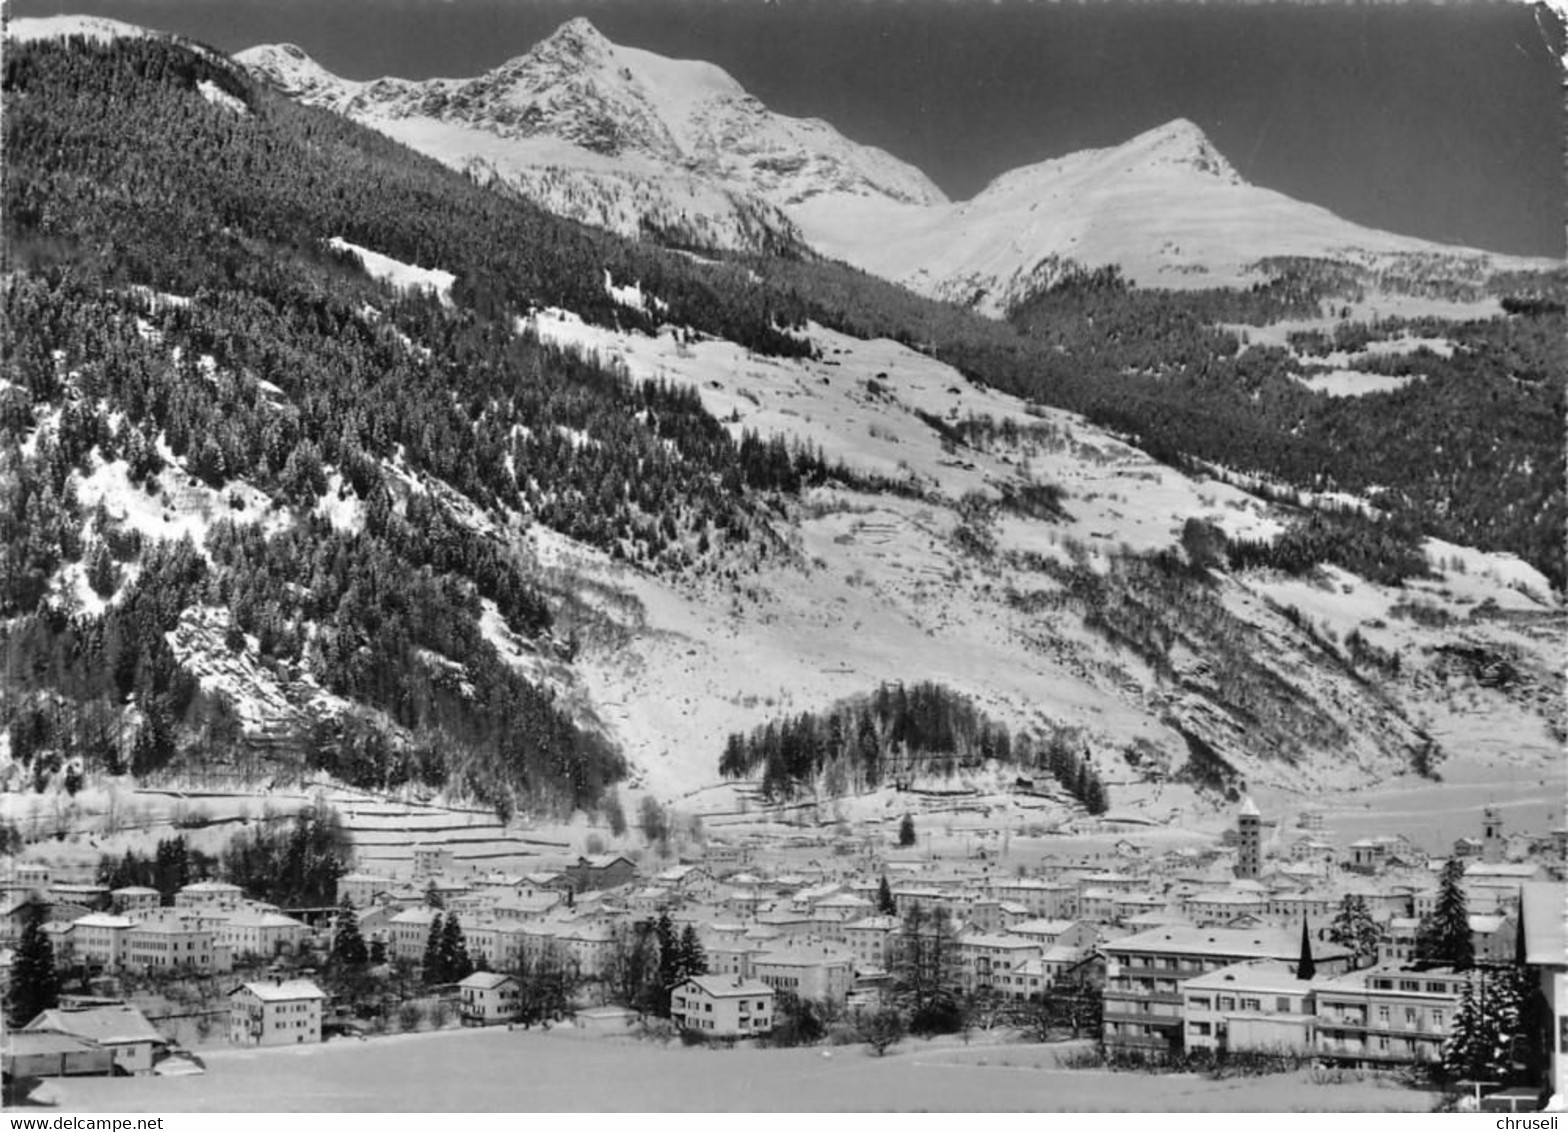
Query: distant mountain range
{"points": [[643, 145]]}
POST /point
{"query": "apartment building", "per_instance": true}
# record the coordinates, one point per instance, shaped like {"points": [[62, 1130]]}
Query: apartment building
{"points": [[1387, 1015], [1145, 974], [1256, 1006]]}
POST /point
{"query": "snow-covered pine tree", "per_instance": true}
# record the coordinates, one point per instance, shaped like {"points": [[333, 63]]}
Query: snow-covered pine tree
{"points": [[1354, 928]]}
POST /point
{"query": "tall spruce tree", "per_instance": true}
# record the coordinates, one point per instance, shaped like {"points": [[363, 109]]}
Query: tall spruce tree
{"points": [[669, 962], [35, 986], [906, 832], [886, 905], [433, 968], [693, 957], [348, 945], [1444, 939], [455, 961]]}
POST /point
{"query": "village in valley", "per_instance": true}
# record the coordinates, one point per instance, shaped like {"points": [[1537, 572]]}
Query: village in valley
{"points": [[1272, 950]]}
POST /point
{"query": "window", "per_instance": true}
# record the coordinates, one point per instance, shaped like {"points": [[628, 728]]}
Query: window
{"points": [[1437, 1020], [1252, 1004], [1282, 1004], [1201, 1028], [1197, 1003], [1409, 985], [1436, 988], [1227, 1002], [1382, 1014], [1410, 1016]]}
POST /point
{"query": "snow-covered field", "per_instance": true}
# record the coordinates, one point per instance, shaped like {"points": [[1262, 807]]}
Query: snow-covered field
{"points": [[498, 1071]]}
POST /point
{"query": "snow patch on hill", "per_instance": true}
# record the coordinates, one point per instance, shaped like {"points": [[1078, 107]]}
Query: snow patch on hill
{"points": [[402, 275]]}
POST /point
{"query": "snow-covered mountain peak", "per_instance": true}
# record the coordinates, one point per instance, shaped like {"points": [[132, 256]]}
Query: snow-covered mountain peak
{"points": [[1179, 144]]}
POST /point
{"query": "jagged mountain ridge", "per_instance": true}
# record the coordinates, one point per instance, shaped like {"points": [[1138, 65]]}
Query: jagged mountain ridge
{"points": [[617, 136]]}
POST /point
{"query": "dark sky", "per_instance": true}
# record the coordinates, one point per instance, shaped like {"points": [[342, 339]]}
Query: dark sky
{"points": [[1437, 120]]}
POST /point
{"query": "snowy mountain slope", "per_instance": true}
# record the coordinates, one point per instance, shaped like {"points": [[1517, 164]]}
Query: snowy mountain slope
{"points": [[1165, 206], [612, 135], [638, 143], [881, 589]]}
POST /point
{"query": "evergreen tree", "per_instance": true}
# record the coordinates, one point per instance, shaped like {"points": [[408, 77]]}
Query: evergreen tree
{"points": [[455, 962], [378, 952], [35, 987], [1480, 1045], [433, 896], [886, 905], [906, 832], [1444, 938], [669, 963], [1305, 967], [348, 945], [433, 967], [1353, 928], [693, 958]]}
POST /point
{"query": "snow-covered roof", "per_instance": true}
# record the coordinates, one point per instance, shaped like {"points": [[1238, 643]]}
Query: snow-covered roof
{"points": [[285, 990], [730, 986], [107, 1025], [484, 980], [104, 920]]}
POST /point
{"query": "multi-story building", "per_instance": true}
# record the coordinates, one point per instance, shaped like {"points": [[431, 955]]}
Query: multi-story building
{"points": [[600, 872], [986, 957], [363, 888], [1258, 1005], [135, 900], [281, 1012], [264, 934], [99, 937], [166, 943], [821, 974], [872, 941], [1145, 972], [1546, 959], [486, 998], [719, 1006], [1048, 899], [408, 932], [1387, 1015], [210, 894]]}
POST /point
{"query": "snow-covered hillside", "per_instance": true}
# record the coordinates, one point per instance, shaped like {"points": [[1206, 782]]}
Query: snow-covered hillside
{"points": [[880, 588], [612, 135]]}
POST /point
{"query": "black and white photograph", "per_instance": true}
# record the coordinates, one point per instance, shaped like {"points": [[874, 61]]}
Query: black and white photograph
{"points": [[777, 556]]}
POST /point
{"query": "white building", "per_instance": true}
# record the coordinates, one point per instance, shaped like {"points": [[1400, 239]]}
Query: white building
{"points": [[281, 1012]]}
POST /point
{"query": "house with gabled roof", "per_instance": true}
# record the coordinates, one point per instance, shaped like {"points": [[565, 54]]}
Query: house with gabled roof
{"points": [[276, 1012], [118, 1027], [722, 1006], [487, 998]]}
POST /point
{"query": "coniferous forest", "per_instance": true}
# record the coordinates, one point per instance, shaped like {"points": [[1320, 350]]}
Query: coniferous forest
{"points": [[173, 309], [893, 736]]}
